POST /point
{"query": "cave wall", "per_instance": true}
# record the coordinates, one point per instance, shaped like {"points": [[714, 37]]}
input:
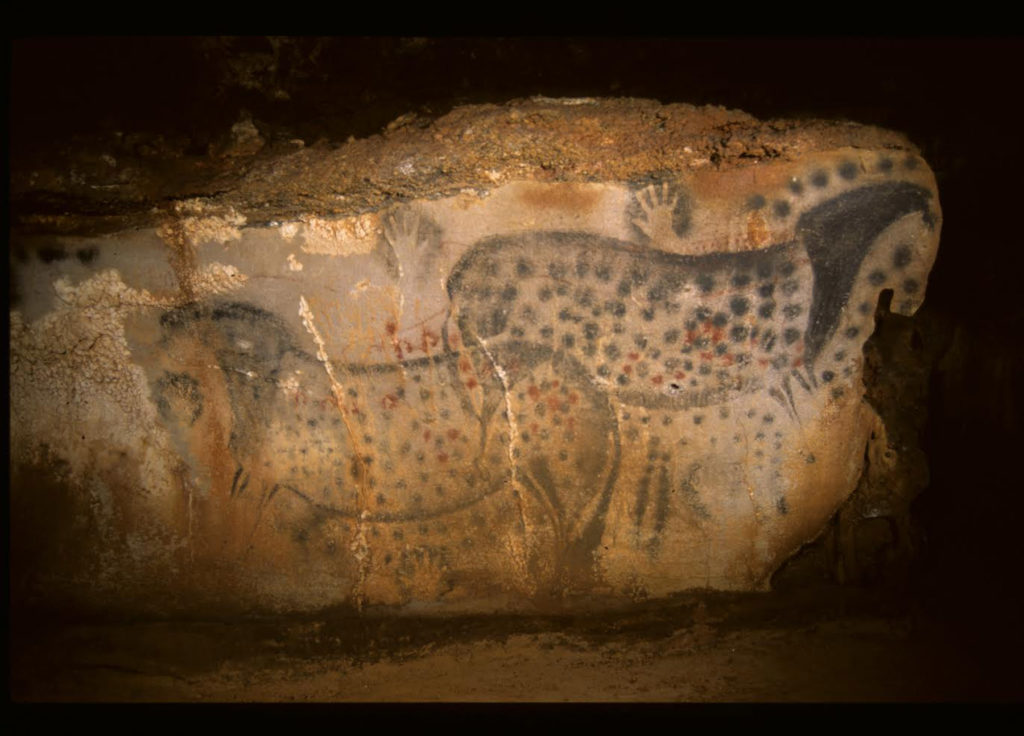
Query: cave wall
{"points": [[527, 355]]}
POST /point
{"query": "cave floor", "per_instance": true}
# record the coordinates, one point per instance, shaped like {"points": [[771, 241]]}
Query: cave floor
{"points": [[830, 644]]}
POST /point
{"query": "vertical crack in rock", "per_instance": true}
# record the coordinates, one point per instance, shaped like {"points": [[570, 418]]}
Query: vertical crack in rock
{"points": [[359, 546], [513, 436]]}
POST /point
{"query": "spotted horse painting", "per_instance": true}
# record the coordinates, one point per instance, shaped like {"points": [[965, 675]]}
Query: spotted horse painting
{"points": [[553, 389]]}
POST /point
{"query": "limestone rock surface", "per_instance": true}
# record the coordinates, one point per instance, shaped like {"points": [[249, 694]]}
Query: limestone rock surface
{"points": [[558, 352]]}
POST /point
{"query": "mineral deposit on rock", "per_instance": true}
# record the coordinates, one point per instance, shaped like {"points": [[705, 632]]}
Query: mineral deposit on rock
{"points": [[559, 352]]}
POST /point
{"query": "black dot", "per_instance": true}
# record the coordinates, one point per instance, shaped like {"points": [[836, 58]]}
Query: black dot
{"points": [[739, 305], [902, 257], [910, 286], [517, 331], [837, 393], [590, 331], [796, 186], [657, 293], [648, 315], [738, 333], [840, 355], [741, 279], [582, 268], [885, 165], [86, 255], [624, 288], [671, 336], [704, 370], [611, 350], [618, 309], [819, 179], [49, 255], [720, 348], [848, 170], [590, 350], [604, 273], [768, 418], [547, 332], [766, 290], [561, 290], [789, 288], [791, 335], [544, 294], [876, 277], [523, 268], [703, 314], [764, 269], [622, 379], [852, 332], [766, 310], [720, 319], [697, 418], [640, 340], [787, 268], [910, 163], [688, 365], [565, 315], [792, 311], [568, 340], [781, 208], [864, 308], [604, 371], [618, 328], [756, 202], [827, 376], [705, 282], [558, 271]]}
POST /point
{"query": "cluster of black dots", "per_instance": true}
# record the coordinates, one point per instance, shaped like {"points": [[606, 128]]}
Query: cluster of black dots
{"points": [[846, 171], [632, 323]]}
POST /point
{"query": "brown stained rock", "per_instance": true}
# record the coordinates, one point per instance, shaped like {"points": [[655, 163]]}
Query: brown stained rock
{"points": [[551, 353]]}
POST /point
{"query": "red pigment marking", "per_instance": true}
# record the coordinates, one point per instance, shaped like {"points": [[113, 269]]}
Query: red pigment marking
{"points": [[391, 328], [390, 401], [727, 359], [534, 427], [442, 457], [554, 384], [657, 380], [534, 392], [691, 335], [627, 368], [453, 434], [453, 339], [553, 403], [426, 436], [717, 335], [763, 362], [465, 365], [798, 362], [680, 375], [706, 356], [471, 383], [573, 398], [708, 326], [634, 356]]}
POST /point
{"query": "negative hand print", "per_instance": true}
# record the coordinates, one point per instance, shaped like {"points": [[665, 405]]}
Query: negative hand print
{"points": [[660, 212]]}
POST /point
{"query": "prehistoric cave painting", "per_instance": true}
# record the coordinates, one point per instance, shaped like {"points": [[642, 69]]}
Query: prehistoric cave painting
{"points": [[564, 353], [659, 329]]}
